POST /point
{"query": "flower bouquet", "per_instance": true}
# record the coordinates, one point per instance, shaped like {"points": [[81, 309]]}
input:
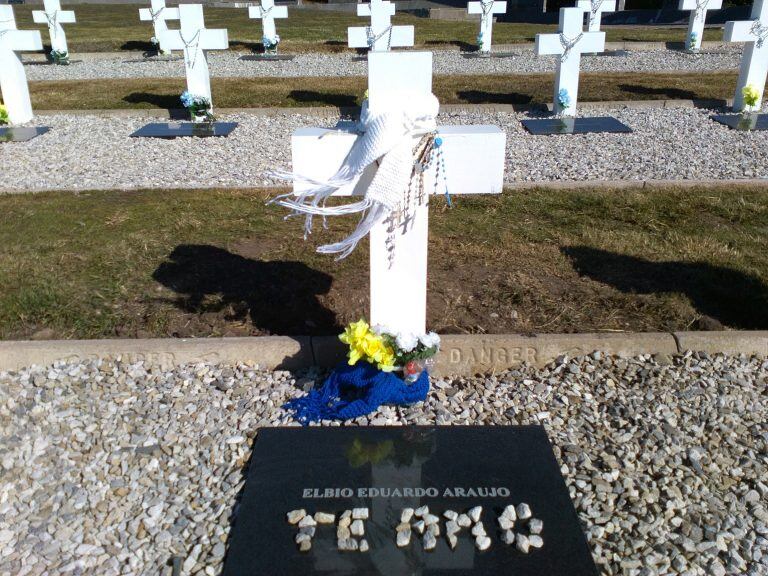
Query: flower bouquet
{"points": [[199, 107], [4, 118], [751, 96], [60, 57], [691, 42], [383, 367], [156, 47], [563, 99], [270, 44]]}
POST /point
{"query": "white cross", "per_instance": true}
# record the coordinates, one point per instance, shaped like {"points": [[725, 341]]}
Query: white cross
{"points": [[595, 9], [487, 8], [13, 80], [268, 12], [380, 36], [159, 13], [54, 16], [696, 21], [569, 43], [474, 161], [194, 39], [754, 60]]}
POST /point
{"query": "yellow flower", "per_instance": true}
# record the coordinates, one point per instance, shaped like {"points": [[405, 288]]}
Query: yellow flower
{"points": [[751, 95], [3, 115], [364, 344]]}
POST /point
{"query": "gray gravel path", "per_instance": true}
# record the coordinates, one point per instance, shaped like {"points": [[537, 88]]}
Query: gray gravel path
{"points": [[89, 152], [113, 468], [228, 64]]}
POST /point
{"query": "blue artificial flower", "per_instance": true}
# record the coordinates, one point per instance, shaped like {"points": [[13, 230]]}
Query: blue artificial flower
{"points": [[187, 99], [563, 98]]}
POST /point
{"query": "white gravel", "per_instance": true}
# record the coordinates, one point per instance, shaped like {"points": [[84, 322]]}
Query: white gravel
{"points": [[228, 64], [114, 468], [90, 152]]}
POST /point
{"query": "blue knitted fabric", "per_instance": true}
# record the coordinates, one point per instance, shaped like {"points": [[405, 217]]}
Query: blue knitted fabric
{"points": [[352, 391]]}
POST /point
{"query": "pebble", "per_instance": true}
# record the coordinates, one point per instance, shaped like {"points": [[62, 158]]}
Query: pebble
{"points": [[360, 513], [403, 538], [325, 518], [474, 513], [406, 515], [295, 516], [523, 511], [483, 542]]}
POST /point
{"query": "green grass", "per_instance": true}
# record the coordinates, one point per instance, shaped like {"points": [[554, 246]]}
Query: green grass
{"points": [[212, 262], [346, 91], [117, 27]]}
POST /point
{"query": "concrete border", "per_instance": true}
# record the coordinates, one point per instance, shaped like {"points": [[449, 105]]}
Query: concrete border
{"points": [[462, 355]]}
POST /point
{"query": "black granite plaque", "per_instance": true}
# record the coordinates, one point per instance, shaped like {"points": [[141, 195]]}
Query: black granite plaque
{"points": [[21, 133], [268, 57], [390, 468], [549, 126], [185, 129], [746, 122], [487, 55]]}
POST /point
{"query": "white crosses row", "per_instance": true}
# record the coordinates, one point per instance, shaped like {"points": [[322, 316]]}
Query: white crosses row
{"points": [[13, 79], [486, 9], [594, 10], [54, 16], [158, 13], [697, 19], [381, 35], [754, 60], [267, 12], [517, 524], [569, 44]]}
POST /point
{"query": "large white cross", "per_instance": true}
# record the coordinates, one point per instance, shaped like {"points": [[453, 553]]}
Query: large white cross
{"points": [[13, 79], [474, 162], [54, 16], [595, 9], [569, 44], [380, 36], [754, 60], [194, 39], [268, 12], [696, 21], [159, 13], [487, 8]]}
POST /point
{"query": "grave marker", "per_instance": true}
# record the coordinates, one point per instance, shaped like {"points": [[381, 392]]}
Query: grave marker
{"points": [[159, 14], [380, 36], [594, 10], [697, 19], [474, 164], [486, 8], [54, 16], [13, 79], [267, 12], [754, 60], [195, 39]]}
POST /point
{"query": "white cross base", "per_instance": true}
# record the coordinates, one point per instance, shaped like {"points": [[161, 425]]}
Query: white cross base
{"points": [[54, 17], [159, 14], [594, 10], [13, 79], [385, 36], [569, 63], [474, 161], [487, 9], [268, 12], [697, 19], [194, 39], [754, 59]]}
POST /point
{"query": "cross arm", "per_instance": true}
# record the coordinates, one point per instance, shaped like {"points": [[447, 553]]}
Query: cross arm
{"points": [[548, 44], [365, 9], [474, 159], [739, 31], [62, 17], [276, 12], [166, 14], [23, 40], [477, 8], [210, 39], [357, 37]]}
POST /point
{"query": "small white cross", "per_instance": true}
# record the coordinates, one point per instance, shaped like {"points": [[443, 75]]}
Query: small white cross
{"points": [[195, 39], [754, 60], [13, 79], [268, 12], [696, 21], [486, 8], [54, 17], [569, 44], [594, 10], [158, 14], [380, 36], [474, 163]]}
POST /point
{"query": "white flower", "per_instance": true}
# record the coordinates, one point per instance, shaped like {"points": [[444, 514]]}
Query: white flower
{"points": [[430, 340], [407, 341], [379, 329]]}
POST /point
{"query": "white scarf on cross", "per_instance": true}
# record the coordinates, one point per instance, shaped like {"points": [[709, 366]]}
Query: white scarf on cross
{"points": [[387, 137]]}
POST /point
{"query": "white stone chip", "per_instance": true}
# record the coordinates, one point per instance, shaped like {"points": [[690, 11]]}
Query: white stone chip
{"points": [[483, 542], [308, 530], [302, 538], [406, 515], [535, 526], [295, 516], [403, 538], [403, 527], [324, 518], [475, 513], [506, 523], [307, 521], [452, 527], [509, 512], [508, 537], [535, 541], [360, 513], [430, 519], [523, 511], [349, 544], [419, 526], [421, 511], [451, 514], [464, 521], [364, 545], [478, 529], [522, 543], [429, 541], [305, 545], [452, 541], [434, 529], [357, 528], [343, 533]]}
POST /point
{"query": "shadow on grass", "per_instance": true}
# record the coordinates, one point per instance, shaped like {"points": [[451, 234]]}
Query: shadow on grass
{"points": [[463, 46], [483, 97], [277, 297], [672, 93], [732, 298], [323, 98], [240, 45], [138, 46], [168, 102]]}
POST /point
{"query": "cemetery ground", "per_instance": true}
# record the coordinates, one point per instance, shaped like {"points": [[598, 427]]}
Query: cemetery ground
{"points": [[206, 262], [116, 28]]}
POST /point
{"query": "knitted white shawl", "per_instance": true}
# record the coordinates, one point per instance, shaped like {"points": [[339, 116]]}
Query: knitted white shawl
{"points": [[388, 136]]}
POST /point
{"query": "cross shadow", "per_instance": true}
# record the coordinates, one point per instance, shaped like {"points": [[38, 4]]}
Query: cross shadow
{"points": [[463, 46], [733, 298], [277, 297], [323, 98], [168, 102], [239, 45], [483, 97], [138, 46], [673, 93]]}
